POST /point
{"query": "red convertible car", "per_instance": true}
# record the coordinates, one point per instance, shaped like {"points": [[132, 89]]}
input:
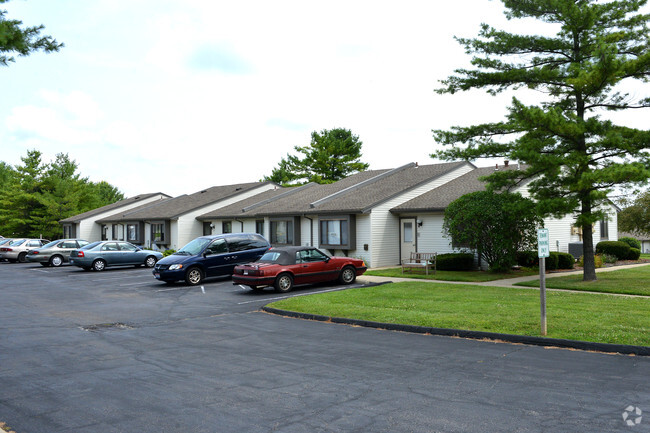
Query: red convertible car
{"points": [[284, 267]]}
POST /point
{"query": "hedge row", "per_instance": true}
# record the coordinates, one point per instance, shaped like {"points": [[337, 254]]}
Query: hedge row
{"points": [[618, 249], [455, 262], [530, 259]]}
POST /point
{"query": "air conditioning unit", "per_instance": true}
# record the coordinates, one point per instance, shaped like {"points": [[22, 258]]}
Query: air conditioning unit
{"points": [[575, 249]]}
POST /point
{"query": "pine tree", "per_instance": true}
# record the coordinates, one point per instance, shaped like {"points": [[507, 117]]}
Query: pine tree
{"points": [[15, 40], [573, 156]]}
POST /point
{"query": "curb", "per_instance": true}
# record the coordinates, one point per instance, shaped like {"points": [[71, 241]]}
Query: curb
{"points": [[475, 335]]}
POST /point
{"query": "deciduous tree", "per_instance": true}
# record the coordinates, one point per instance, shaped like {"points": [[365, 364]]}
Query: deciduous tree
{"points": [[572, 155], [635, 218], [497, 225], [331, 156]]}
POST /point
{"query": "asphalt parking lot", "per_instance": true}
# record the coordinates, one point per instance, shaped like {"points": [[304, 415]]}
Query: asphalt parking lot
{"points": [[118, 351]]}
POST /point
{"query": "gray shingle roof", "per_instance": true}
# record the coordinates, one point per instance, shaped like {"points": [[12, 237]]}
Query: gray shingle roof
{"points": [[354, 194], [248, 205], [438, 199], [175, 207], [111, 207]]}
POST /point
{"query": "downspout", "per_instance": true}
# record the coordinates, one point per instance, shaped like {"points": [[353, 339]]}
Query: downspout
{"points": [[242, 225]]}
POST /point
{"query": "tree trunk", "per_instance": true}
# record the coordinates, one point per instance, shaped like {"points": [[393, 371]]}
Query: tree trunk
{"points": [[589, 269]]}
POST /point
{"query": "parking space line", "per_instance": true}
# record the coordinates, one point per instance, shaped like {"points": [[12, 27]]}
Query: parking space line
{"points": [[174, 288]]}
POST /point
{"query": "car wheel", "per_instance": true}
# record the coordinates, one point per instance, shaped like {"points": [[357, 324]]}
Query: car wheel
{"points": [[193, 276], [22, 257], [348, 275], [99, 265], [150, 262], [283, 283], [56, 261]]}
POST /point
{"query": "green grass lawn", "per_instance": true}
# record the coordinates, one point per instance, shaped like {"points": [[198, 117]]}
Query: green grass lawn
{"points": [[464, 276], [635, 281], [575, 316]]}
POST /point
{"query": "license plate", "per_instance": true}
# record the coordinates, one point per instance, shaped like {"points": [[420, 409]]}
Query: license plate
{"points": [[245, 272], [157, 275]]}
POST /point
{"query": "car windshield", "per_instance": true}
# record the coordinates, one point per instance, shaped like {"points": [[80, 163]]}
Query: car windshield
{"points": [[90, 246], [17, 242], [194, 247]]}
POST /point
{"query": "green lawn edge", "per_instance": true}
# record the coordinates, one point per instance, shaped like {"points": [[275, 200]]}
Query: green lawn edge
{"points": [[633, 281], [461, 276], [572, 316]]}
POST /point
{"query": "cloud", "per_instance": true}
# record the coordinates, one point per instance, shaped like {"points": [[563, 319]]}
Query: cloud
{"points": [[68, 119]]}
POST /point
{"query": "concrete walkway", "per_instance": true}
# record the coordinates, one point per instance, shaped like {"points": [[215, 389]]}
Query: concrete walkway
{"points": [[508, 282]]}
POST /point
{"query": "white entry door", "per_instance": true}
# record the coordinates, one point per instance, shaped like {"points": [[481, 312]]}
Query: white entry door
{"points": [[407, 237]]}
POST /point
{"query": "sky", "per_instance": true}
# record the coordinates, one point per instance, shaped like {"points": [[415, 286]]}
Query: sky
{"points": [[176, 96]]}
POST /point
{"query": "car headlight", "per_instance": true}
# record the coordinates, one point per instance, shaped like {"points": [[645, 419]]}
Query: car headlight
{"points": [[175, 267]]}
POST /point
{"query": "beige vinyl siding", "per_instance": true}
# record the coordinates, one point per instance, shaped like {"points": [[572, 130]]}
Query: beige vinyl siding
{"points": [[363, 238], [190, 228], [385, 225]]}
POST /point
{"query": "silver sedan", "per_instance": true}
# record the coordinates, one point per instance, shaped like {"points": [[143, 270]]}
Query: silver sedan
{"points": [[56, 252]]}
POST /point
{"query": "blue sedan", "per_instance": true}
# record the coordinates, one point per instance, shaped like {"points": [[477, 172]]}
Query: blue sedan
{"points": [[100, 255]]}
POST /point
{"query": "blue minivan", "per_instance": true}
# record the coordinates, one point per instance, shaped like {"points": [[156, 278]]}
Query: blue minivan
{"points": [[210, 256]]}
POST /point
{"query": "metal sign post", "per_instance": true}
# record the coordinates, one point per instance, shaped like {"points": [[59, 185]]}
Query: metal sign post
{"points": [[543, 250]]}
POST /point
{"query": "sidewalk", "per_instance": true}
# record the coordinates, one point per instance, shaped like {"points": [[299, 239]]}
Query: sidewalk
{"points": [[507, 282]]}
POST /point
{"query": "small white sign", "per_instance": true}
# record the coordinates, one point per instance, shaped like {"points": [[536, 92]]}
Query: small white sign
{"points": [[543, 245]]}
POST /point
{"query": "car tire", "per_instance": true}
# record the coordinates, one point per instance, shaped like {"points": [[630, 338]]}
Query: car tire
{"points": [[193, 276], [283, 283], [99, 265], [150, 261], [348, 275], [22, 257], [56, 261]]}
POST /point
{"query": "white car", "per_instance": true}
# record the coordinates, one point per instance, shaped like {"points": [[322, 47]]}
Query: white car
{"points": [[16, 250]]}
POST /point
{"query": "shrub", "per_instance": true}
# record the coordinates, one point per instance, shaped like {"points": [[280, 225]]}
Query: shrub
{"points": [[168, 253], [633, 243], [527, 259], [607, 258], [552, 261], [598, 260], [615, 248], [565, 261], [635, 253], [455, 262]]}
